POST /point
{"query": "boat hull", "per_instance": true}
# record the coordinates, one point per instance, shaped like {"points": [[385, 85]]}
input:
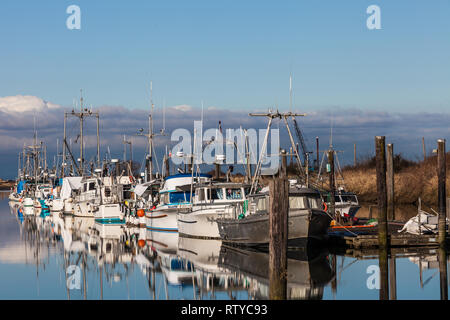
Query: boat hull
{"points": [[162, 220], [109, 213], [303, 226]]}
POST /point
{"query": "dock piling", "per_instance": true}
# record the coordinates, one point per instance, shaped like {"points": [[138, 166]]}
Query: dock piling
{"points": [[381, 190], [278, 229], [441, 190], [390, 182]]}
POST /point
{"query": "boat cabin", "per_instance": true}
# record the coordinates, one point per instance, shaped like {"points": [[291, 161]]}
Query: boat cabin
{"points": [[222, 192], [176, 189], [299, 198]]}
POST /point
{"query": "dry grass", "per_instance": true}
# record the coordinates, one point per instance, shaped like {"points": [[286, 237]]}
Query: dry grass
{"points": [[410, 182]]}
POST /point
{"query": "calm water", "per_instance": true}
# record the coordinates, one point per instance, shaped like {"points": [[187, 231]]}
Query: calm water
{"points": [[116, 262]]}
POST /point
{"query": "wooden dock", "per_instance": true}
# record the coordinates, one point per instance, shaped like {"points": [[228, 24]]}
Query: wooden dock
{"points": [[366, 237]]}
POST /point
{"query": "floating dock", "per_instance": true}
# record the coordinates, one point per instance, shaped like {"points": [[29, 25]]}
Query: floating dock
{"points": [[366, 237]]}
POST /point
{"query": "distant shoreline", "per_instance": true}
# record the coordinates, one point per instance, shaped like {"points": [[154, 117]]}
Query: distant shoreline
{"points": [[6, 185]]}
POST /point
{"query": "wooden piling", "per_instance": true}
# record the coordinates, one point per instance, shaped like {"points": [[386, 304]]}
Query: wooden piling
{"points": [[441, 190], [443, 273], [390, 182], [278, 229], [384, 273], [332, 183], [381, 189], [392, 278], [448, 208]]}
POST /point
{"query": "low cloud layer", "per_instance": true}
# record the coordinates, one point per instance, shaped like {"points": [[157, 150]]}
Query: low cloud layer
{"points": [[20, 114]]}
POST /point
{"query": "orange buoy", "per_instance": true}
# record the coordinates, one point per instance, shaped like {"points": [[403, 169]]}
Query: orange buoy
{"points": [[141, 243], [141, 213]]}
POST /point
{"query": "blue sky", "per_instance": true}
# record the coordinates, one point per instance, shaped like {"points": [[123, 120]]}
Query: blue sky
{"points": [[231, 54], [236, 56]]}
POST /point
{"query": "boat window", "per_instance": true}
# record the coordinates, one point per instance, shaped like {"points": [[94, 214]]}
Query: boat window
{"points": [[261, 204], [91, 185], [107, 192], [200, 194], [246, 191], [177, 197], [234, 193], [296, 202], [337, 199], [315, 202], [85, 187], [216, 194], [348, 198]]}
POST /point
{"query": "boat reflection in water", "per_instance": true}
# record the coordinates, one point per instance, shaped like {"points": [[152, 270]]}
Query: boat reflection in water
{"points": [[172, 267], [307, 272]]}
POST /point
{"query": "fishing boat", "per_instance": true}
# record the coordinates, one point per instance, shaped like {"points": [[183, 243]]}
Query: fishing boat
{"points": [[307, 221], [212, 201], [346, 204], [173, 196], [28, 206], [97, 199]]}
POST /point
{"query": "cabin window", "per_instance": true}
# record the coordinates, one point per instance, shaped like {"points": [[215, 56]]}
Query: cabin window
{"points": [[348, 198], [107, 192], [315, 202], [234, 194], [337, 199], [201, 194], [215, 194], [92, 186], [297, 202], [261, 204], [177, 197], [85, 187]]}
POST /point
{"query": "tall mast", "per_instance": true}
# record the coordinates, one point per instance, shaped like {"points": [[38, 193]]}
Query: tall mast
{"points": [[150, 136], [290, 93], [81, 133]]}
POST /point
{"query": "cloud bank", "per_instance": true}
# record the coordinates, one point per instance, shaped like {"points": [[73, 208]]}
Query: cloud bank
{"points": [[19, 115]]}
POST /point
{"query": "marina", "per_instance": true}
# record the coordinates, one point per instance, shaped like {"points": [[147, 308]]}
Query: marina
{"points": [[275, 235], [120, 262], [240, 151]]}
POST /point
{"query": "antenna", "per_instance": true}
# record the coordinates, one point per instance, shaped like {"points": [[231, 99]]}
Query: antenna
{"points": [[164, 115], [290, 92], [331, 134]]}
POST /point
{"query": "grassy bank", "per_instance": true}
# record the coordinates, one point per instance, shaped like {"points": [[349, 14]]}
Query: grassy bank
{"points": [[412, 180]]}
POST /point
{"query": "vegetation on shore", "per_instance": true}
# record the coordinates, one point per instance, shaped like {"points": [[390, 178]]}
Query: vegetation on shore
{"points": [[411, 180]]}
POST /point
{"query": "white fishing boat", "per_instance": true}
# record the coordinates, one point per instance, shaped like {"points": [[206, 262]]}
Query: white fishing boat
{"points": [[97, 199], [211, 202], [174, 195], [28, 206]]}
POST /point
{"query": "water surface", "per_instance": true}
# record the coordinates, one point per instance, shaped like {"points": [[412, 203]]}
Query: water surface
{"points": [[64, 257]]}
